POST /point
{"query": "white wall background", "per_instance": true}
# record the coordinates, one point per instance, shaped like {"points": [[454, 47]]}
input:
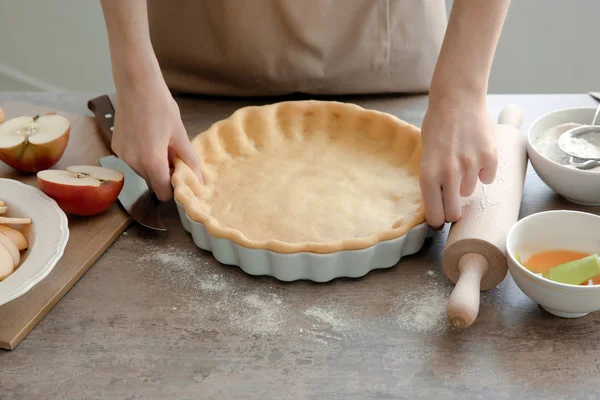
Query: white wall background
{"points": [[60, 45]]}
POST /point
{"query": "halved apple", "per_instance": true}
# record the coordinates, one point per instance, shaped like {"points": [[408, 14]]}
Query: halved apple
{"points": [[16, 236], [82, 189], [32, 144]]}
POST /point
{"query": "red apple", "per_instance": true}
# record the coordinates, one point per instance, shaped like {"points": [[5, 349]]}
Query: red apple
{"points": [[32, 144], [82, 190]]}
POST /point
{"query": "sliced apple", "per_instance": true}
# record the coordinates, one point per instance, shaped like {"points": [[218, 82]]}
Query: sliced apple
{"points": [[82, 189], [7, 265], [32, 144], [1, 115], [11, 247], [16, 236], [15, 221]]}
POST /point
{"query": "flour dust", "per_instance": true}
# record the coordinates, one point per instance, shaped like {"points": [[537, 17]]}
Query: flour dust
{"points": [[213, 296], [197, 289]]}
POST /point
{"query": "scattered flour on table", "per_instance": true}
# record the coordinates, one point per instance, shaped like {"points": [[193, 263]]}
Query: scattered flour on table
{"points": [[332, 323], [176, 266], [214, 299], [213, 296], [214, 283], [259, 311], [330, 316], [424, 309], [262, 314]]}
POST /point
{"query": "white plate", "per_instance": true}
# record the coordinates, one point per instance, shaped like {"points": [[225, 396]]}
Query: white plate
{"points": [[305, 265], [48, 235]]}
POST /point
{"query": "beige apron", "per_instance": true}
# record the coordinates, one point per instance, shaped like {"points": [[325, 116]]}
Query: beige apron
{"points": [[276, 47]]}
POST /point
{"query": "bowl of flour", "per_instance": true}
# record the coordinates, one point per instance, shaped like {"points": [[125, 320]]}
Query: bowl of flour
{"points": [[552, 164]]}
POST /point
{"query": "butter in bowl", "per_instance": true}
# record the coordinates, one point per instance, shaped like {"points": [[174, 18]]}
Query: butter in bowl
{"points": [[553, 258]]}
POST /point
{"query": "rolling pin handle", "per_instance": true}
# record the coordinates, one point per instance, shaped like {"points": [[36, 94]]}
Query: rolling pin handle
{"points": [[463, 305], [511, 115]]}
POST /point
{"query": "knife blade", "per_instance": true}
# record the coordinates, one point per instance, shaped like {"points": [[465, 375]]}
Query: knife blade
{"points": [[135, 197], [595, 95]]}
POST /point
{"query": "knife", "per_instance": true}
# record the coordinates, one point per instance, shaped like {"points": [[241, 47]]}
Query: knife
{"points": [[136, 197], [595, 95]]}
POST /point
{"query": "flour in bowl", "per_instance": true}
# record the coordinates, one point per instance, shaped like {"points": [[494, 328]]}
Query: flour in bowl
{"points": [[547, 144]]}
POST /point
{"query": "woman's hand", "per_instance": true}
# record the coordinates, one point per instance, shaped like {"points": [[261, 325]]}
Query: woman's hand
{"points": [[148, 129], [459, 145], [149, 132], [459, 148]]}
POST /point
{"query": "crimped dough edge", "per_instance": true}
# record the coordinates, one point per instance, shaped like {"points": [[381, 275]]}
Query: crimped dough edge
{"points": [[184, 181]]}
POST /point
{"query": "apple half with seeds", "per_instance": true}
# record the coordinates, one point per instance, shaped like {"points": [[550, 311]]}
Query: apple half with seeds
{"points": [[32, 144], [83, 190]]}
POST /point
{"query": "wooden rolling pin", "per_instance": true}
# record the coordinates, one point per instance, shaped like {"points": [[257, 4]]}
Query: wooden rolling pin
{"points": [[475, 255]]}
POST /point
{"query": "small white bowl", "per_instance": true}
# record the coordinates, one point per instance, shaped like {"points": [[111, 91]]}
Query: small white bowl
{"points": [[47, 235], [555, 230], [578, 186]]}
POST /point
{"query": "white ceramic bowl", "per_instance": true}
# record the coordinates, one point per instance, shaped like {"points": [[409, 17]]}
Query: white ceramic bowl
{"points": [[47, 236], [578, 186], [552, 230]]}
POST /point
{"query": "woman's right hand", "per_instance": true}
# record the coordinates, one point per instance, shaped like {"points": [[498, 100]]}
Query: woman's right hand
{"points": [[148, 129], [149, 132]]}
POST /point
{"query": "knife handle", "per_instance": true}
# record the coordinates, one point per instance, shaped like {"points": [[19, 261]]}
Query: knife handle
{"points": [[104, 114]]}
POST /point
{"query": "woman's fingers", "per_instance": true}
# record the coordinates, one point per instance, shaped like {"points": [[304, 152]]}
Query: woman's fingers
{"points": [[451, 193], [431, 190], [185, 151], [441, 189], [489, 166], [157, 169], [469, 176]]}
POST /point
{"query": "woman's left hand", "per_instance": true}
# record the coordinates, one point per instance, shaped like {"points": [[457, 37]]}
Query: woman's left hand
{"points": [[459, 148]]}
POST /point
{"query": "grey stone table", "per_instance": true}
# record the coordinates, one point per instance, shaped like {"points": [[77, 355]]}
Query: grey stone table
{"points": [[157, 318]]}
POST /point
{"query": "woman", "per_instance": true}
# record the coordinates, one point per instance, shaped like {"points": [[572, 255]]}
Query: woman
{"points": [[273, 47]]}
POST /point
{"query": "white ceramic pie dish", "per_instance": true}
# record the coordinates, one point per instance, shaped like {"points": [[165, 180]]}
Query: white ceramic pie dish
{"points": [[47, 235], [305, 265]]}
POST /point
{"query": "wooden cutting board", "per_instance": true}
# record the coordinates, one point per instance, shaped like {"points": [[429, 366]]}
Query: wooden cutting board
{"points": [[89, 237]]}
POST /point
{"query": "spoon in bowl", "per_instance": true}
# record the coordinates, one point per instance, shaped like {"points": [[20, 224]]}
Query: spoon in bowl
{"points": [[582, 144]]}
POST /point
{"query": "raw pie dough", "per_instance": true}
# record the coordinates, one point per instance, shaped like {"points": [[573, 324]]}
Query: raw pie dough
{"points": [[318, 176]]}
